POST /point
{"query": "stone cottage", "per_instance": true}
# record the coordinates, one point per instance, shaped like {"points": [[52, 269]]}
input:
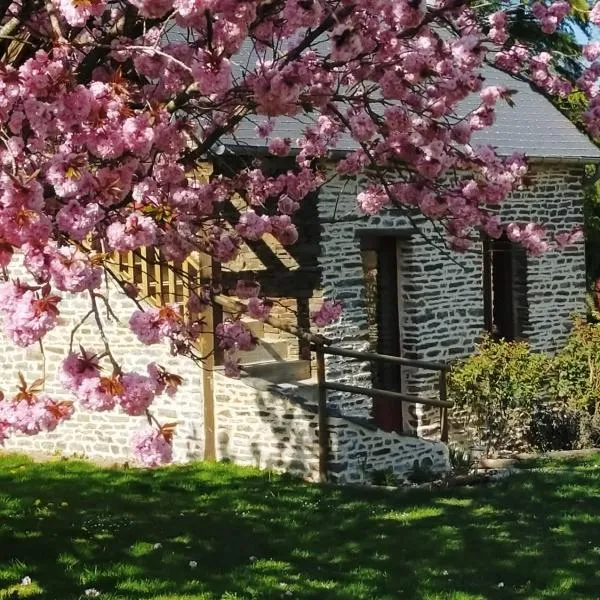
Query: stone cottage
{"points": [[402, 296]]}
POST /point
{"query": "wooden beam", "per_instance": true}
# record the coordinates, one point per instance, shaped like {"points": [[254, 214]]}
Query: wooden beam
{"points": [[207, 349], [233, 305], [323, 417]]}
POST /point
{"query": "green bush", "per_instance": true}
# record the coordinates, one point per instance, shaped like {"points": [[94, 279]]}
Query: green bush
{"points": [[576, 368], [497, 386], [513, 398]]}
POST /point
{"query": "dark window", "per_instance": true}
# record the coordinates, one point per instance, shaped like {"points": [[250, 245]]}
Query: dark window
{"points": [[504, 288]]}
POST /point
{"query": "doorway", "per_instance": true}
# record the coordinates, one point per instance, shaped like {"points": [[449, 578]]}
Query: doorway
{"points": [[380, 268]]}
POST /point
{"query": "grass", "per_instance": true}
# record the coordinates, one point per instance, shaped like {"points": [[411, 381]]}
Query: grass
{"points": [[70, 526]]}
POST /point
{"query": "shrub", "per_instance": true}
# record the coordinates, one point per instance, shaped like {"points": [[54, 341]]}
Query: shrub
{"points": [[576, 368], [385, 477], [496, 386], [553, 427], [514, 398]]}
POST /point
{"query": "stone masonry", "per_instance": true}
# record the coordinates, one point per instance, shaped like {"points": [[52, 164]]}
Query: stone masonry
{"points": [[104, 435], [441, 292], [260, 425]]}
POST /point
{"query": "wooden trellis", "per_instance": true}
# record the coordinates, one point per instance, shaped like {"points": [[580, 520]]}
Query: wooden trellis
{"points": [[162, 282]]}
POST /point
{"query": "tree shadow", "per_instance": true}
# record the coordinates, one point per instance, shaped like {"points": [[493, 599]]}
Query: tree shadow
{"points": [[70, 526]]}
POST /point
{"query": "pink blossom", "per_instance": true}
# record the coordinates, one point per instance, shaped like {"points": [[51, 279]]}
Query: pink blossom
{"points": [[30, 316], [493, 227], [138, 231], [97, 393], [253, 227], [72, 271], [78, 220], [328, 313], [233, 335], [137, 393], [591, 51], [245, 289], [151, 448], [154, 324], [498, 21], [224, 245], [163, 380], [490, 95], [287, 205], [280, 146], [595, 14], [30, 411], [138, 135], [76, 367], [373, 199], [362, 126], [284, 230], [68, 176], [76, 13], [211, 72], [153, 9], [259, 308], [265, 129]]}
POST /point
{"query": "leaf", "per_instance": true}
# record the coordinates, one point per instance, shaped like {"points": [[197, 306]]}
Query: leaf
{"points": [[22, 380], [37, 383], [580, 9]]}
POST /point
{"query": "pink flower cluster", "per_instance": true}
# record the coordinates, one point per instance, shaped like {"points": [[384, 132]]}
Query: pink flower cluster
{"points": [[31, 416], [151, 448], [154, 324], [328, 313], [29, 313], [259, 308], [30, 411], [233, 335], [373, 199], [133, 392], [550, 16], [136, 232], [530, 236], [72, 271]]}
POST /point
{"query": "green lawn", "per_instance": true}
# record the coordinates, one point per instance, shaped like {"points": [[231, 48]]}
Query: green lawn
{"points": [[71, 527]]}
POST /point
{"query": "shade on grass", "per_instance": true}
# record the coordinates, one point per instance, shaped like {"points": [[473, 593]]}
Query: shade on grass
{"points": [[132, 534]]}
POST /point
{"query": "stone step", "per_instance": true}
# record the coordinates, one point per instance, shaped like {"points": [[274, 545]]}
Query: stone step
{"points": [[279, 372], [256, 327], [266, 351]]}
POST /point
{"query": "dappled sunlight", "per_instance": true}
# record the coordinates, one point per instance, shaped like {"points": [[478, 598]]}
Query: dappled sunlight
{"points": [[135, 534]]}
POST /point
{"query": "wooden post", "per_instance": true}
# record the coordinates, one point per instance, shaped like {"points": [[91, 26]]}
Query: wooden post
{"points": [[207, 349], [323, 419], [443, 409]]}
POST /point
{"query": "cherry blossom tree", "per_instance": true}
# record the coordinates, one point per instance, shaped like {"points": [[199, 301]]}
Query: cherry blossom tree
{"points": [[108, 106]]}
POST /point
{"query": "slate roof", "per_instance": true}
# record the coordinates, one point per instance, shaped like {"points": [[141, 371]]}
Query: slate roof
{"points": [[533, 127]]}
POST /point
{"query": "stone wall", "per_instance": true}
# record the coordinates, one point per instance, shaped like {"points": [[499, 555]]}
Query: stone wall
{"points": [[441, 292], [103, 435], [258, 425], [261, 425]]}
